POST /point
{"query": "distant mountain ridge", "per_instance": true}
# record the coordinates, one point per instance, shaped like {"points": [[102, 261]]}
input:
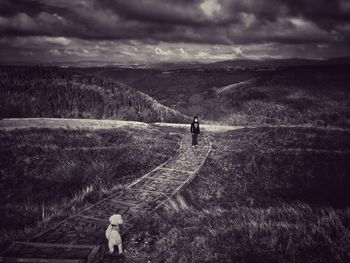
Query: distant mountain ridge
{"points": [[242, 62], [71, 93], [250, 63]]}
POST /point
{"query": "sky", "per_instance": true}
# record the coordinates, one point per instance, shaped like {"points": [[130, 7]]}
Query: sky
{"points": [[157, 31]]}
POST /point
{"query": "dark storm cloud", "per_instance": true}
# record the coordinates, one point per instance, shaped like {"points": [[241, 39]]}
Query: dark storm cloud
{"points": [[168, 20], [180, 20], [10, 8], [157, 12], [321, 10], [302, 23]]}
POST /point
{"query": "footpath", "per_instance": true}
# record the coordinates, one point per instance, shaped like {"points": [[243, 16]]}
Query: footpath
{"points": [[80, 238]]}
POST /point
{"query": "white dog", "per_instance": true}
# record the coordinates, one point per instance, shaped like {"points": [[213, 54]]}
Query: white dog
{"points": [[112, 233]]}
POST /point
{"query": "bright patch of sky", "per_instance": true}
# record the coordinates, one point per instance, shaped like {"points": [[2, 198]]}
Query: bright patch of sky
{"points": [[210, 7]]}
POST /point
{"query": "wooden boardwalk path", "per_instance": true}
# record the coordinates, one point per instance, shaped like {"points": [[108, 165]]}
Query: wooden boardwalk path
{"points": [[80, 238]]}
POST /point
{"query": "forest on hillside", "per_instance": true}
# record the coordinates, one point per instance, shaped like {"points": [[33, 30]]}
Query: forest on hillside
{"points": [[71, 93]]}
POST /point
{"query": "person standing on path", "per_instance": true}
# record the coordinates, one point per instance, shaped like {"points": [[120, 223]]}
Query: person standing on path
{"points": [[195, 131]]}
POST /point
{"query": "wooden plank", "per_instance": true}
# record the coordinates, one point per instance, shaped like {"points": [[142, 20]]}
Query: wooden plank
{"points": [[189, 179], [55, 245], [177, 170], [88, 218], [123, 202], [166, 180], [40, 260], [92, 257]]}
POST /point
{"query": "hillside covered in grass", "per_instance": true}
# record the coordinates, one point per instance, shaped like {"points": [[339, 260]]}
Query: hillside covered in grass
{"points": [[50, 173], [72, 93], [299, 94], [263, 195]]}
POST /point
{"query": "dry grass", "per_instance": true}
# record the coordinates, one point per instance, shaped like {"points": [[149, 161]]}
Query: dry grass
{"points": [[56, 123], [47, 174], [289, 105], [287, 233], [251, 202]]}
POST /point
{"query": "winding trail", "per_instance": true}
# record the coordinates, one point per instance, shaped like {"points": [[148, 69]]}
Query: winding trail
{"points": [[80, 238]]}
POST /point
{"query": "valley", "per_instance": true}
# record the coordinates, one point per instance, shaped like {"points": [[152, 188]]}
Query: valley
{"points": [[272, 188], [315, 94]]}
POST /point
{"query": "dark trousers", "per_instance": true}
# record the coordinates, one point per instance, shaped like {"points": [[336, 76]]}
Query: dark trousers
{"points": [[194, 139]]}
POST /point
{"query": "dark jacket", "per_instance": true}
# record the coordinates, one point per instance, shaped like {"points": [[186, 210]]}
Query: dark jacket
{"points": [[195, 127]]}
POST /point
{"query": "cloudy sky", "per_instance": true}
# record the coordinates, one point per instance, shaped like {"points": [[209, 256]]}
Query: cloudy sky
{"points": [[150, 31]]}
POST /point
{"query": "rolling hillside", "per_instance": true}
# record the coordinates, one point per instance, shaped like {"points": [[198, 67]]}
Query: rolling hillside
{"points": [[72, 93], [275, 94]]}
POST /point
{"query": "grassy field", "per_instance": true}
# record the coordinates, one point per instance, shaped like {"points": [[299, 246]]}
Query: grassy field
{"points": [[47, 174], [263, 195]]}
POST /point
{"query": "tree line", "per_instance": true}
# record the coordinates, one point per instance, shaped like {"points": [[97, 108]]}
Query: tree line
{"points": [[71, 93]]}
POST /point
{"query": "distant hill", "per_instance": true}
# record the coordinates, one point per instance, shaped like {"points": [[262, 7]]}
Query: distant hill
{"points": [[72, 93], [255, 63], [224, 64], [247, 63], [298, 93]]}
